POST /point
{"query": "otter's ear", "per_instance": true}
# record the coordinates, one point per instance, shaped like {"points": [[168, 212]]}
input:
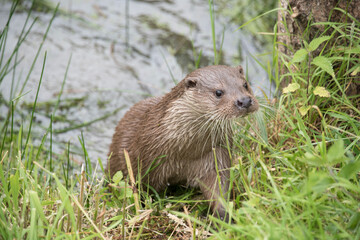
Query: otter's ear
{"points": [[190, 82], [240, 69]]}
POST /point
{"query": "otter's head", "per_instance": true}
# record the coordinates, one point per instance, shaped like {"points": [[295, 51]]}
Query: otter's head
{"points": [[220, 90]]}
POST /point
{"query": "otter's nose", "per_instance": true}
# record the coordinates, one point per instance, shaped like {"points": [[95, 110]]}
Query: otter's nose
{"points": [[244, 102]]}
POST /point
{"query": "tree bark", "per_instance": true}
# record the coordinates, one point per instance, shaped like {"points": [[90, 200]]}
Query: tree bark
{"points": [[302, 13]]}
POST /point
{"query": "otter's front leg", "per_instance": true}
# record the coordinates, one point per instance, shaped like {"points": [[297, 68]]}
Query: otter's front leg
{"points": [[209, 183]]}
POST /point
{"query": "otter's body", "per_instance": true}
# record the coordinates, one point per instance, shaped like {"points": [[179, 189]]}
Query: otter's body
{"points": [[173, 139]]}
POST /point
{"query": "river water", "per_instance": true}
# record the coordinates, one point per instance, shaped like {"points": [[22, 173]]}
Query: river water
{"points": [[121, 52]]}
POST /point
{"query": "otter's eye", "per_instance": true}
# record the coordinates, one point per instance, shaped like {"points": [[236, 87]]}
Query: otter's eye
{"points": [[219, 93], [246, 86]]}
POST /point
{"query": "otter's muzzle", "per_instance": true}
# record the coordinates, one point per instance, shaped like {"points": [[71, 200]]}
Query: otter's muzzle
{"points": [[244, 102]]}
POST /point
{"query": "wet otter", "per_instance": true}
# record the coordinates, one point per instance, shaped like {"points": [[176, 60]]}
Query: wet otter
{"points": [[175, 139]]}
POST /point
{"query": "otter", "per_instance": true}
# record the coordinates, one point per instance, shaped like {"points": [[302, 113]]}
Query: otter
{"points": [[183, 136]]}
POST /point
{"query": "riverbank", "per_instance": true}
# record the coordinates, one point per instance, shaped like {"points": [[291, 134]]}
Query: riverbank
{"points": [[295, 174]]}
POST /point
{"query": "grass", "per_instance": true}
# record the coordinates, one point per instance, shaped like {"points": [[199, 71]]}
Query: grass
{"points": [[295, 174]]}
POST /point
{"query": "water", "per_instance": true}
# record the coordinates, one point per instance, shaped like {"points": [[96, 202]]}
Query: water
{"points": [[116, 60]]}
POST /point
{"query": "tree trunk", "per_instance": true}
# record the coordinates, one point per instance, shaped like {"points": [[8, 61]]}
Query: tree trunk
{"points": [[302, 13]]}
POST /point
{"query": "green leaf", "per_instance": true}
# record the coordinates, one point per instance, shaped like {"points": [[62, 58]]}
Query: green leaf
{"points": [[354, 221], [253, 202], [306, 44], [336, 153], [321, 91], [33, 225], [64, 195], [299, 55], [353, 50], [315, 43], [292, 87], [357, 69], [15, 188], [35, 203], [117, 177], [349, 170], [312, 159], [318, 182], [325, 64], [304, 109], [116, 218], [125, 190]]}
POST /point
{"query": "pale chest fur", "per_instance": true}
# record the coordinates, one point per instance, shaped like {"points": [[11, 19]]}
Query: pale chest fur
{"points": [[187, 141]]}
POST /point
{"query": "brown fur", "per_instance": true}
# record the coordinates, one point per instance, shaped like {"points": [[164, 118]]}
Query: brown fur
{"points": [[175, 134]]}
